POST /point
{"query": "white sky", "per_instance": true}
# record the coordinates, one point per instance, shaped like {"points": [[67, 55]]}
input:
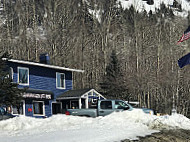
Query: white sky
{"points": [[61, 128]]}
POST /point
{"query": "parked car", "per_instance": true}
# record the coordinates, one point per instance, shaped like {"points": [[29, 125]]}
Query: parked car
{"points": [[105, 107], [4, 114]]}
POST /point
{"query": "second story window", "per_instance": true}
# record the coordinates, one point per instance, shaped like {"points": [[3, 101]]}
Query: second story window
{"points": [[23, 76], [60, 80], [11, 73]]}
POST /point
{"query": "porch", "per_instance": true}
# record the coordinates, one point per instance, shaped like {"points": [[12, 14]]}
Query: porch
{"points": [[77, 99]]}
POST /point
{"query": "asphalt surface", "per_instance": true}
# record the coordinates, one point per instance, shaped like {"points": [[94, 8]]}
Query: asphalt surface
{"points": [[177, 135]]}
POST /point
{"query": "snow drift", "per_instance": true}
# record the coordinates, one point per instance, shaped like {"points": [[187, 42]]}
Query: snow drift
{"points": [[114, 127]]}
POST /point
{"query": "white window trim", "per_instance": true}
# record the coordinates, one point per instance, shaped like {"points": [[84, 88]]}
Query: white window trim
{"points": [[43, 108], [23, 109], [18, 76], [64, 81], [11, 72], [55, 102]]}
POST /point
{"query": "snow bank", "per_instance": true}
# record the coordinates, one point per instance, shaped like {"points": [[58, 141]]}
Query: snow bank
{"points": [[176, 121], [141, 5], [114, 127]]}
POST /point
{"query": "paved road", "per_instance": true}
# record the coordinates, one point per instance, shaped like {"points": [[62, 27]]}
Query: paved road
{"points": [[177, 135]]}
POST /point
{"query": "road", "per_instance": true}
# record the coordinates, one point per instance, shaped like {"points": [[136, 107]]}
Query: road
{"points": [[177, 135]]}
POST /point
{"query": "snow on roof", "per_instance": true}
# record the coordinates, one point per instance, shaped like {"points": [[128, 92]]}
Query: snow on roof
{"points": [[43, 65]]}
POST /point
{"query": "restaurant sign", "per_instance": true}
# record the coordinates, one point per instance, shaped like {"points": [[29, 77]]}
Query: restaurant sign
{"points": [[37, 96]]}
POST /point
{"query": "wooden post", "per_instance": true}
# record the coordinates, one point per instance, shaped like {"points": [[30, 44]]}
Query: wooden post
{"points": [[79, 103], [86, 102]]}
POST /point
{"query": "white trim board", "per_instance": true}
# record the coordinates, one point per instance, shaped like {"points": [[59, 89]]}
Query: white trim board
{"points": [[64, 85], [43, 65], [28, 75], [34, 101]]}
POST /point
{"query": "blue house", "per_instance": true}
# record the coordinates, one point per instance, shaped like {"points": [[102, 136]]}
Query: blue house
{"points": [[48, 89], [42, 83]]}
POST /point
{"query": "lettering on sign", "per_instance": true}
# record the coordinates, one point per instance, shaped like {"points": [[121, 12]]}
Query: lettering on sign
{"points": [[37, 96]]}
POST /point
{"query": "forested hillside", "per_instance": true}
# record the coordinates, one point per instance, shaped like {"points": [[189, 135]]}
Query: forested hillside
{"points": [[125, 53]]}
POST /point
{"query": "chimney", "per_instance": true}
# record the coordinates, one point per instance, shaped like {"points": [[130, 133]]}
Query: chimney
{"points": [[44, 58]]}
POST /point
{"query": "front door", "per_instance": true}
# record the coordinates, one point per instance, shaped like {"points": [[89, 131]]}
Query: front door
{"points": [[56, 108]]}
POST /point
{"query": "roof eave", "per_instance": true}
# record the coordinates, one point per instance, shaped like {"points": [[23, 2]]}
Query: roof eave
{"points": [[43, 65]]}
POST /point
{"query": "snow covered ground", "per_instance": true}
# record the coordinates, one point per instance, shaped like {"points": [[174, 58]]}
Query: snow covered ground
{"points": [[141, 5], [61, 128]]}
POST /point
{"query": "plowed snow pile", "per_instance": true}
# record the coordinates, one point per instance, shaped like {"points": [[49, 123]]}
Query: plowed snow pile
{"points": [[114, 127]]}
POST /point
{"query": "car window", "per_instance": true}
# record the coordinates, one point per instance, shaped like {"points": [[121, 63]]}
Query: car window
{"points": [[106, 105], [121, 105]]}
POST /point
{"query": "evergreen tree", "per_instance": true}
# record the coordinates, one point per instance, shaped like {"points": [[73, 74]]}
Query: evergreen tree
{"points": [[113, 84], [9, 92]]}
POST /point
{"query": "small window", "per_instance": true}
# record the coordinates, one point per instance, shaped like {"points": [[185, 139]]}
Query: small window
{"points": [[106, 105], [23, 76], [38, 108], [60, 80], [92, 99], [11, 73]]}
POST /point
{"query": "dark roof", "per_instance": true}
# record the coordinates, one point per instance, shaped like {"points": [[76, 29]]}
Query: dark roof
{"points": [[74, 93]]}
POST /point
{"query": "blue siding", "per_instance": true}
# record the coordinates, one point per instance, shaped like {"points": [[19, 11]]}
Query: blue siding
{"points": [[42, 78], [47, 108], [28, 104]]}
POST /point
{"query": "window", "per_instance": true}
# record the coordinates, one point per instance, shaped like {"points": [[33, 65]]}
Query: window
{"points": [[92, 99], [60, 80], [21, 109], [23, 76], [121, 105], [106, 105], [38, 108], [11, 73]]}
